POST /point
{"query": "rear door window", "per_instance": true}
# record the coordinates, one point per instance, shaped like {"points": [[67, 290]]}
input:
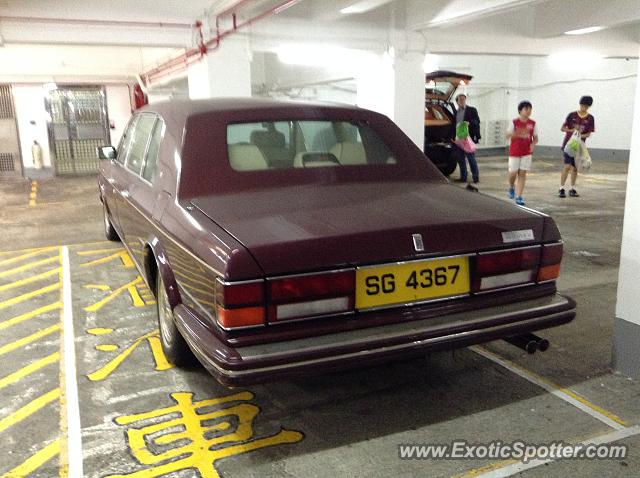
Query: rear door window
{"points": [[149, 170], [138, 142]]}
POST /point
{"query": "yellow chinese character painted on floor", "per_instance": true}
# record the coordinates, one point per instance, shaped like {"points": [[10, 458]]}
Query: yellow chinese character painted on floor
{"points": [[138, 291], [156, 349], [191, 444], [112, 254]]}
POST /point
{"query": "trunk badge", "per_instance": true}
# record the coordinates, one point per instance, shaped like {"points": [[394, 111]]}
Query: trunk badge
{"points": [[417, 242]]}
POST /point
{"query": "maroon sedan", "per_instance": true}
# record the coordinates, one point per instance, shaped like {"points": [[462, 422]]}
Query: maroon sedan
{"points": [[284, 238]]}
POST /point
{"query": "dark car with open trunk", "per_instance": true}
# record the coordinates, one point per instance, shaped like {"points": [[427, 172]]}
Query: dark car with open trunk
{"points": [[283, 238]]}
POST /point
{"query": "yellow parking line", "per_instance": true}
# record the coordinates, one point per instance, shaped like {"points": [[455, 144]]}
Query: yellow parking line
{"points": [[29, 280], [27, 340], [485, 469], [28, 266], [29, 369], [563, 393], [26, 256], [21, 318], [34, 193], [29, 295], [29, 409], [35, 461]]}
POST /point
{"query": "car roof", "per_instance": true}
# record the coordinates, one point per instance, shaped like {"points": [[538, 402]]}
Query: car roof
{"points": [[185, 107]]}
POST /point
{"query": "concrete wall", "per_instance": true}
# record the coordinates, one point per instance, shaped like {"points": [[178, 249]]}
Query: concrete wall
{"points": [[500, 82], [119, 110], [29, 104]]}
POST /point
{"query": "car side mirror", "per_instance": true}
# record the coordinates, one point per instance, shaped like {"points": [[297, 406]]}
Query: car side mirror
{"points": [[106, 152]]}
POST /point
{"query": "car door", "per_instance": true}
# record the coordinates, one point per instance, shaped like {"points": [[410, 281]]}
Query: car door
{"points": [[133, 213], [116, 177], [145, 198]]}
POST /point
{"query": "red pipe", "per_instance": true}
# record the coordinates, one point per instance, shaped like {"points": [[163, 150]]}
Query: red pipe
{"points": [[183, 61]]}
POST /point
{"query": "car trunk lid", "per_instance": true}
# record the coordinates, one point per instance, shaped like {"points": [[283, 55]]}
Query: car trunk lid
{"points": [[318, 227], [441, 85]]}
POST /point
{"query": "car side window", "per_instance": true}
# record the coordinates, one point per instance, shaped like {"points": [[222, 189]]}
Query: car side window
{"points": [[148, 172], [123, 147], [138, 142]]}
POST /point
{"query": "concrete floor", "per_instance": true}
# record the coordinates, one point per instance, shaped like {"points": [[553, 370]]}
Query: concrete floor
{"points": [[343, 424]]}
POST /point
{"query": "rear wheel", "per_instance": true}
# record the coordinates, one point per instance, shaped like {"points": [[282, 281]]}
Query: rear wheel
{"points": [[173, 344], [109, 230]]}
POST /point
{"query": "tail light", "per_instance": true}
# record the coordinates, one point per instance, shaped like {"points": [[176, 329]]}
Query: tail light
{"points": [[311, 295], [550, 262], [501, 269], [240, 304]]}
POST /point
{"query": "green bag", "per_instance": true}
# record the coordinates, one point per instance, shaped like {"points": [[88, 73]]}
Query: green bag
{"points": [[462, 130]]}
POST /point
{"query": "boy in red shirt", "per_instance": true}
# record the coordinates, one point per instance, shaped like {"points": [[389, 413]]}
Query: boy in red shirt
{"points": [[523, 134], [584, 123]]}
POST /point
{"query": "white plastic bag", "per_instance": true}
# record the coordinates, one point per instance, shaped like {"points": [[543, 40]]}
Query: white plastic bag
{"points": [[584, 163], [572, 148]]}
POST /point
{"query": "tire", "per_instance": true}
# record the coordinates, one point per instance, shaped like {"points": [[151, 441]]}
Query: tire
{"points": [[174, 346], [109, 230]]}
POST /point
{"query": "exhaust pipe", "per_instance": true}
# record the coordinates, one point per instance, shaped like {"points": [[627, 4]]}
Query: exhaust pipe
{"points": [[543, 344], [529, 342], [523, 342]]}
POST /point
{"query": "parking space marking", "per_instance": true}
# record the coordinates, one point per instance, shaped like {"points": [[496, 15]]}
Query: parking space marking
{"points": [[71, 463], [28, 266], [565, 394], [30, 338], [509, 469], [34, 193], [29, 369], [27, 255], [113, 254], [203, 436], [35, 461], [29, 280], [29, 295], [29, 315], [29, 409]]}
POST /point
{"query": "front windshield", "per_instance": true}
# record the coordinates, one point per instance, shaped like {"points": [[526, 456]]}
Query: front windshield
{"points": [[304, 144]]}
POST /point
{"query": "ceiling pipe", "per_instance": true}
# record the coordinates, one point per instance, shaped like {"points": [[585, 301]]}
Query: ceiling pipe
{"points": [[109, 23], [182, 62]]}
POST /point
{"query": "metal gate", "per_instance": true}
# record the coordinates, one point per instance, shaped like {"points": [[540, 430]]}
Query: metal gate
{"points": [[10, 160], [79, 124]]}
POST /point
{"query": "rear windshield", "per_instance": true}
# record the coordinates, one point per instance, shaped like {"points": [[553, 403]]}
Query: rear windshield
{"points": [[305, 144]]}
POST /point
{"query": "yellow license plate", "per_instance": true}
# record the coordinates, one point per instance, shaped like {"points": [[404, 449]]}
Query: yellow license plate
{"points": [[408, 282]]}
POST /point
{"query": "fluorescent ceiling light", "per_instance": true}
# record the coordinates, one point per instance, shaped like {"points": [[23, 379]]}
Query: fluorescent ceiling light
{"points": [[584, 31], [362, 6]]}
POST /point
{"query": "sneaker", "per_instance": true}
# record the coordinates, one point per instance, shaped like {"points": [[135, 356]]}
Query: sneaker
{"points": [[520, 201], [573, 193], [562, 194], [511, 192]]}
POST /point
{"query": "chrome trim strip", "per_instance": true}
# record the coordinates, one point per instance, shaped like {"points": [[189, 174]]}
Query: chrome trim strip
{"points": [[517, 286], [411, 304], [399, 329], [363, 353], [509, 249], [240, 282], [305, 274], [312, 317], [426, 259]]}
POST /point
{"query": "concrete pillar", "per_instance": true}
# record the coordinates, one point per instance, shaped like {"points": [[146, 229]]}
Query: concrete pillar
{"points": [[395, 87], [626, 330], [223, 72]]}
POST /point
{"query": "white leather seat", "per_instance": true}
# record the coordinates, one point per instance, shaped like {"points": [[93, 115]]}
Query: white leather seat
{"points": [[349, 153], [246, 157]]}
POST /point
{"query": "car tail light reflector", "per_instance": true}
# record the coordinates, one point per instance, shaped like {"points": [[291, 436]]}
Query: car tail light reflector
{"points": [[311, 295], [240, 304], [550, 262], [500, 269]]}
